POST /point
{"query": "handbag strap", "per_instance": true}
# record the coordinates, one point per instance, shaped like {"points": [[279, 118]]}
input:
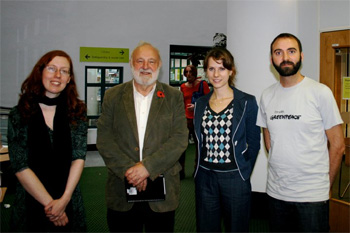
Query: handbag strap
{"points": [[201, 87]]}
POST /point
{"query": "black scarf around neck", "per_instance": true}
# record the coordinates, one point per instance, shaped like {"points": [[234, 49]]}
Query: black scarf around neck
{"points": [[50, 101], [51, 160]]}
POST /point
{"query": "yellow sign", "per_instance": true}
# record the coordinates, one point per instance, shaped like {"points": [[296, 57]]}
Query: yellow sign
{"points": [[346, 87], [97, 54]]}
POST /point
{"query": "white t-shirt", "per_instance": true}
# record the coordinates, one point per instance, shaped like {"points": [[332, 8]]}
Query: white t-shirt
{"points": [[297, 118]]}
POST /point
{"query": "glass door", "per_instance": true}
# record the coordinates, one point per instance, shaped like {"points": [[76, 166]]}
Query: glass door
{"points": [[342, 93], [97, 81]]}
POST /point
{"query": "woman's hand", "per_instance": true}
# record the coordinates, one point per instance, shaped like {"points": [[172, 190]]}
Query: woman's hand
{"points": [[61, 221], [55, 209], [190, 107]]}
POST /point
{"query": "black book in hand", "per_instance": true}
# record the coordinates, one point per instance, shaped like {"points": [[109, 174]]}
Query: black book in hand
{"points": [[155, 191]]}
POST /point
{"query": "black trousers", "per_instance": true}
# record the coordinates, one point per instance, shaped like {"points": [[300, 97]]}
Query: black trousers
{"points": [[140, 217], [190, 127]]}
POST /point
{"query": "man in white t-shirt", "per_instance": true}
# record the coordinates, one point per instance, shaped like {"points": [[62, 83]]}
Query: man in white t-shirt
{"points": [[299, 117]]}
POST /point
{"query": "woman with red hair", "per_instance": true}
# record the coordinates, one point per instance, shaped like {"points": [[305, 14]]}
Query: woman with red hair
{"points": [[47, 134]]}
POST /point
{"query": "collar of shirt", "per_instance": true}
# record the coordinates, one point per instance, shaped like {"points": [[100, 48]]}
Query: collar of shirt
{"points": [[142, 107]]}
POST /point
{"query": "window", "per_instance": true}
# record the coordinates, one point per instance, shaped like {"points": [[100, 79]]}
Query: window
{"points": [[183, 55], [97, 80]]}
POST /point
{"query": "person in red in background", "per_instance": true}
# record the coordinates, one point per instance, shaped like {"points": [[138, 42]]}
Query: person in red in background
{"points": [[187, 88]]}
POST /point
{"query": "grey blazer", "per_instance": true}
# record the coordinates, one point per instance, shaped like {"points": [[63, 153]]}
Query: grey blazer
{"points": [[166, 137]]}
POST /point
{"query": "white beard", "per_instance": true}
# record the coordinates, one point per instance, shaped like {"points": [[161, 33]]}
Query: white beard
{"points": [[145, 81]]}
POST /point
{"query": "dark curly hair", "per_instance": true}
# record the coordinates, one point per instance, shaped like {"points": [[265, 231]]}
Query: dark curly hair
{"points": [[33, 88]]}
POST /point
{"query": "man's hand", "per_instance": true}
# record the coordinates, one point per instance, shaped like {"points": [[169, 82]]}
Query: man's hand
{"points": [[137, 175], [142, 186]]}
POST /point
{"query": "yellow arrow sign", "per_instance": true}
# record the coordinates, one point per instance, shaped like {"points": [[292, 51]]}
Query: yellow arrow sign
{"points": [[97, 54]]}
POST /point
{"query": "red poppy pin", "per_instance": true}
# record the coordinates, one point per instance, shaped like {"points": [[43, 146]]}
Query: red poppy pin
{"points": [[160, 94]]}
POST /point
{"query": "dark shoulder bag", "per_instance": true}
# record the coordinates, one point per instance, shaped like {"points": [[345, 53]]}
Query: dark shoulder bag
{"points": [[197, 94]]}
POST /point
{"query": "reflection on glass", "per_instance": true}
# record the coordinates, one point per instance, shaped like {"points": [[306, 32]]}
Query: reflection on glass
{"points": [[202, 75], [93, 101], [172, 75], [184, 62], [344, 60], [177, 62], [112, 76], [340, 187], [94, 75], [98, 80], [177, 75], [177, 67], [93, 122]]}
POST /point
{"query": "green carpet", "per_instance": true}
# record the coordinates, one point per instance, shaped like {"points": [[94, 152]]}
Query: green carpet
{"points": [[92, 185], [93, 182]]}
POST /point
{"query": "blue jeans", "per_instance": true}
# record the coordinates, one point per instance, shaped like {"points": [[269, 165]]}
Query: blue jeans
{"points": [[222, 195], [298, 216]]}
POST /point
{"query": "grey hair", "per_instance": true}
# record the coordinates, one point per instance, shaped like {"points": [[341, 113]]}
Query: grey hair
{"points": [[143, 43]]}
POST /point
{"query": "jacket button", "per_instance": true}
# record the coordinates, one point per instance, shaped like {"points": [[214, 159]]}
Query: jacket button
{"points": [[137, 149]]}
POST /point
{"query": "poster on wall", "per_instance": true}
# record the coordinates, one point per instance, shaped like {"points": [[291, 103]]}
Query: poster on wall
{"points": [[346, 88]]}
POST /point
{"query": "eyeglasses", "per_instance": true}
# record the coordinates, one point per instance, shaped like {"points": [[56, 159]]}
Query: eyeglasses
{"points": [[53, 69]]}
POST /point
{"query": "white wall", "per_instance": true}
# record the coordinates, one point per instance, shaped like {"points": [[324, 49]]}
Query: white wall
{"points": [[334, 14], [251, 27], [31, 28]]}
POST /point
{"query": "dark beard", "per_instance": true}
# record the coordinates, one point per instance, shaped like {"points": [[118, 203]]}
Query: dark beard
{"points": [[286, 71]]}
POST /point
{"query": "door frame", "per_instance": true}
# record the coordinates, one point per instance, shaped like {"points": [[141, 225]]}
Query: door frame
{"points": [[329, 73]]}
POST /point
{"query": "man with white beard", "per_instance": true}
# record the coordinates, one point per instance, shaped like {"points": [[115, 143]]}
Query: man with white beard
{"points": [[141, 135]]}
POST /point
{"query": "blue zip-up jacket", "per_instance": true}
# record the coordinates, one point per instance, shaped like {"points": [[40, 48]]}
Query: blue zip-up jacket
{"points": [[245, 133]]}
